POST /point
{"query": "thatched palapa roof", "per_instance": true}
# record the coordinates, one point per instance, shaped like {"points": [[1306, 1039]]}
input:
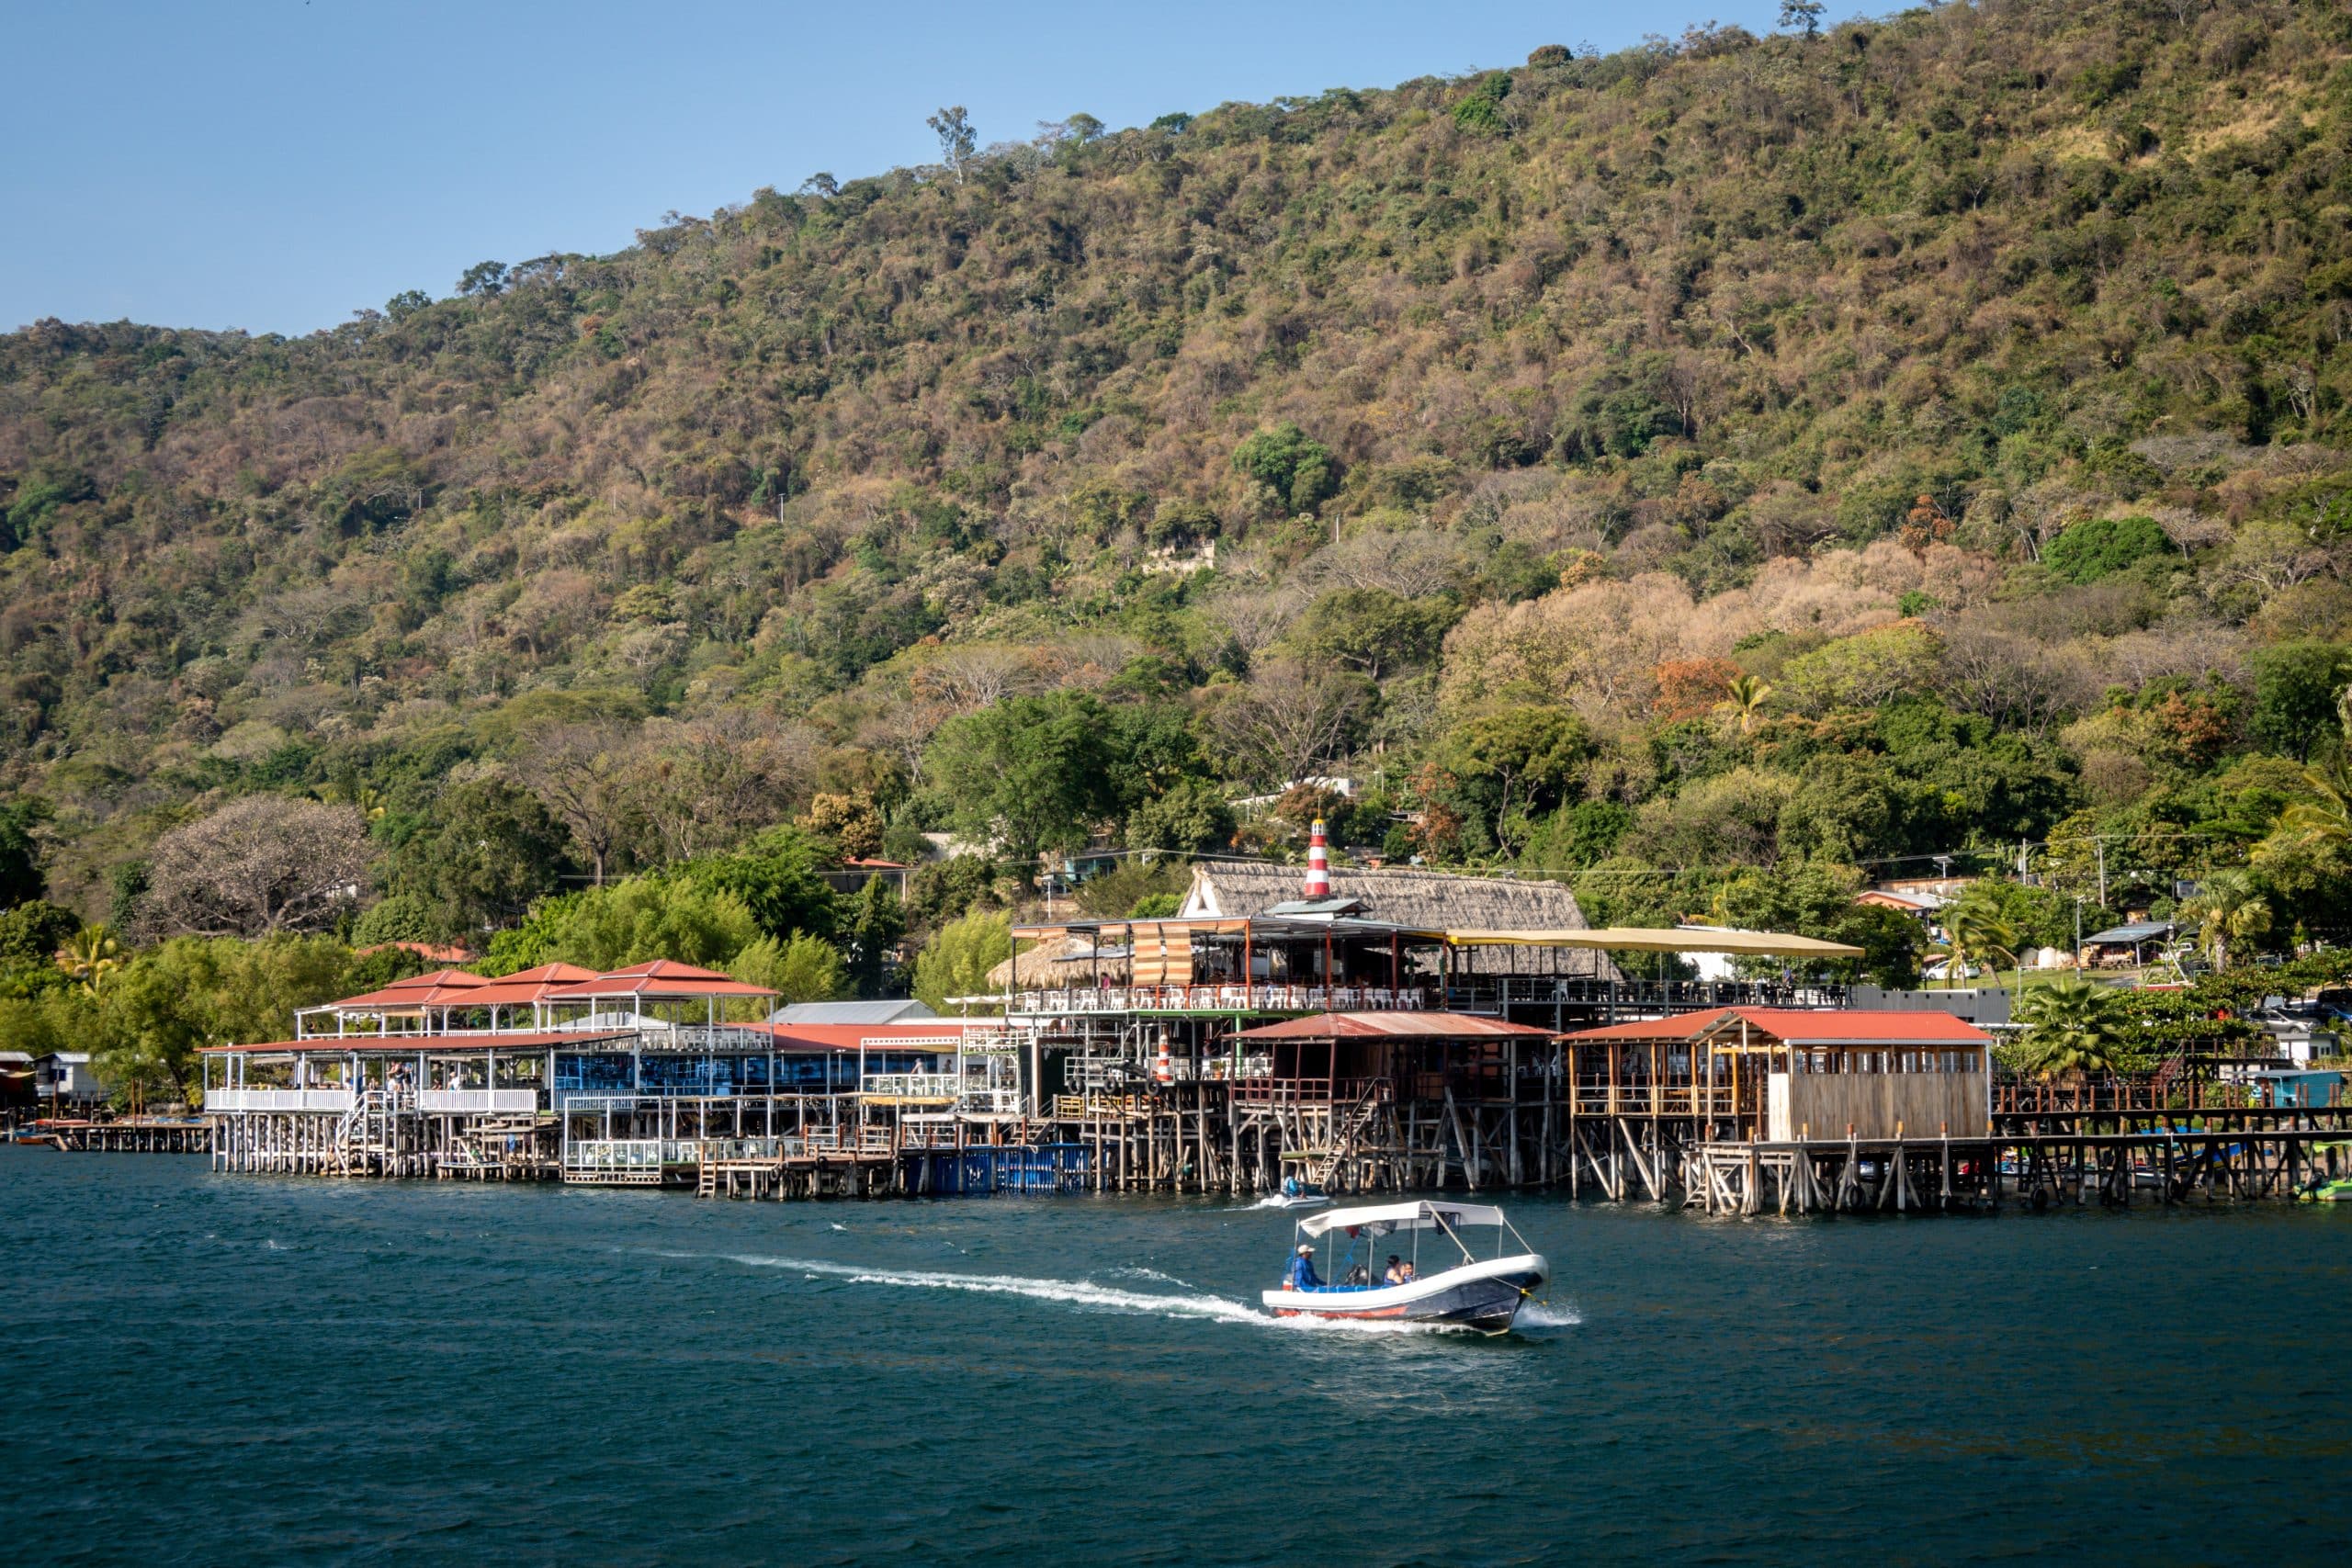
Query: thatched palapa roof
{"points": [[1058, 961], [1429, 900]]}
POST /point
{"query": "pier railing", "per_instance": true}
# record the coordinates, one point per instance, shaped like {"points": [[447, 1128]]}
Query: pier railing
{"points": [[1638, 998], [247, 1100], [478, 1101], [1220, 998]]}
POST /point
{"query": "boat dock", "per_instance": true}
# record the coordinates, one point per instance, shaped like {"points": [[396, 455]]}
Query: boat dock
{"points": [[1360, 1044]]}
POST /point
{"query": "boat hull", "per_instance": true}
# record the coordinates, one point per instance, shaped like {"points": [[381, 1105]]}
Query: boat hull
{"points": [[1482, 1296]]}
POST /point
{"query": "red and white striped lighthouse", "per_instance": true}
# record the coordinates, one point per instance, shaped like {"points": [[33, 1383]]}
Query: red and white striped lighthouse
{"points": [[1318, 862]]}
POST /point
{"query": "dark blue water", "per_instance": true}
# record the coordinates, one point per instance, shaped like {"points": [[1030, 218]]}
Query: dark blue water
{"points": [[210, 1368]]}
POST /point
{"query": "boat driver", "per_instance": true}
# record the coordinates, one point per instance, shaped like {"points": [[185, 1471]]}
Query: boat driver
{"points": [[1302, 1275]]}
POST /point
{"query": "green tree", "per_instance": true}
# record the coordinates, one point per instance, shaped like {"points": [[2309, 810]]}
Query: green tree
{"points": [[1372, 630], [958, 140], [1514, 764], [1190, 814], [1747, 694], [1977, 933], [486, 852], [1816, 899], [2093, 549], [2230, 909], [873, 923], [940, 891], [2295, 687], [196, 991], [639, 919], [483, 280], [780, 876], [2074, 1026], [20, 874], [1804, 16], [956, 962], [1031, 773], [797, 969], [1299, 472]]}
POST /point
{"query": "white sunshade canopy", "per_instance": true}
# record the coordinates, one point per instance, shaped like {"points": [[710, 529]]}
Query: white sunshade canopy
{"points": [[1387, 1217]]}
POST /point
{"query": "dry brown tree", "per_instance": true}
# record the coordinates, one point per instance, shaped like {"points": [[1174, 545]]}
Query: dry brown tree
{"points": [[255, 867]]}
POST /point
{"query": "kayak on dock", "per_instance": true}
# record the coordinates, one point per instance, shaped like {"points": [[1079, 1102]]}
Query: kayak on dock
{"points": [[1481, 1293]]}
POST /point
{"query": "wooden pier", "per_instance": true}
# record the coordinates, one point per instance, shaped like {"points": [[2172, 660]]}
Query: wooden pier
{"points": [[2036, 1171], [126, 1134]]}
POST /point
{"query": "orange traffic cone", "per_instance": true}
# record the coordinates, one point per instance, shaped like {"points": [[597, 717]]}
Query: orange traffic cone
{"points": [[1164, 1071]]}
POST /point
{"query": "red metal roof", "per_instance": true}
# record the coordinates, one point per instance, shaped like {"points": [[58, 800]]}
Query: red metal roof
{"points": [[1678, 1026], [1392, 1026], [1805, 1026], [530, 985], [663, 979], [908, 1034], [1801, 1026], [439, 988]]}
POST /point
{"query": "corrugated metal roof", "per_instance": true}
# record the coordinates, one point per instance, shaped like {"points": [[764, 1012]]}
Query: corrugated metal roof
{"points": [[2137, 932], [907, 1035], [890, 1012], [440, 987], [530, 985], [663, 979], [1392, 1026], [1805, 1026]]}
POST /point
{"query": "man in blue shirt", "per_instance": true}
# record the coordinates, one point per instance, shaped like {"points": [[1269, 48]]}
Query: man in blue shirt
{"points": [[1302, 1275]]}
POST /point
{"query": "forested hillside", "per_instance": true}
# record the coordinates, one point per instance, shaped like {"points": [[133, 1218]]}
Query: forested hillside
{"points": [[1727, 456]]}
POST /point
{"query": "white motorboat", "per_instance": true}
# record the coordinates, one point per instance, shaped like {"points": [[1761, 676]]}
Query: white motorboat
{"points": [[1481, 1293]]}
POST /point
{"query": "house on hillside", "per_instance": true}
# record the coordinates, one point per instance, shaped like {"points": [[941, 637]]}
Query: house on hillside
{"points": [[1425, 900]]}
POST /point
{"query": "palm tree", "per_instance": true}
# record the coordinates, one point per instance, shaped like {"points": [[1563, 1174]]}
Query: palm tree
{"points": [[1976, 934], [1748, 693], [2074, 1026], [2327, 815], [2230, 909], [90, 959]]}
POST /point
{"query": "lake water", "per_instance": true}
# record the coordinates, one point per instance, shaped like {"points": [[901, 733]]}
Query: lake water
{"points": [[213, 1367]]}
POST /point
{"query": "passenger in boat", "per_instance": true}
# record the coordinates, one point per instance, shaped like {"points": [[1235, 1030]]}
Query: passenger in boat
{"points": [[1302, 1275], [1395, 1273], [1408, 1274]]}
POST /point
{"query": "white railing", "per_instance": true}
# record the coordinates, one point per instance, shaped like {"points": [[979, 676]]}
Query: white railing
{"points": [[614, 1154], [476, 1101], [334, 1100], [1220, 998], [913, 1086]]}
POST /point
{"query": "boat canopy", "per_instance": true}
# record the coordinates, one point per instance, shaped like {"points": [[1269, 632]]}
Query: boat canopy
{"points": [[1387, 1217]]}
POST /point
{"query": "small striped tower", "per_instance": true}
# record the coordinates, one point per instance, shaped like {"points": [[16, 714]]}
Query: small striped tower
{"points": [[1318, 862]]}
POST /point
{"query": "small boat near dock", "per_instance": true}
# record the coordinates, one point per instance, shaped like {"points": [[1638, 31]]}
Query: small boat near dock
{"points": [[1478, 1294]]}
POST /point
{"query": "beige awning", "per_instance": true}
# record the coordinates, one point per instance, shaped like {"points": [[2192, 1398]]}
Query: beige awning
{"points": [[1664, 939]]}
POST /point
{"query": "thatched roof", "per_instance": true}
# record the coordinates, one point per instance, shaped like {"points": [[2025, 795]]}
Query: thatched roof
{"points": [[1432, 900], [1057, 961]]}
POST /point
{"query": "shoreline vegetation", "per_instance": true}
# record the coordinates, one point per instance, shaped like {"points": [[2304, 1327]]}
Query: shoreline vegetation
{"points": [[1722, 475]]}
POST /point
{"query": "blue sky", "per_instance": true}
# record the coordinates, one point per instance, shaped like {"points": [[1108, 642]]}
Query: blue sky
{"points": [[273, 166]]}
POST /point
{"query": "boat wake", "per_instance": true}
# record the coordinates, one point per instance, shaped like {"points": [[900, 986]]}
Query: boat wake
{"points": [[1081, 1293], [1536, 1317], [1073, 1292]]}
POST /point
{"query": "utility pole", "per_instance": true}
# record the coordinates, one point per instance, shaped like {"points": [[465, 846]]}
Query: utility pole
{"points": [[2100, 845]]}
